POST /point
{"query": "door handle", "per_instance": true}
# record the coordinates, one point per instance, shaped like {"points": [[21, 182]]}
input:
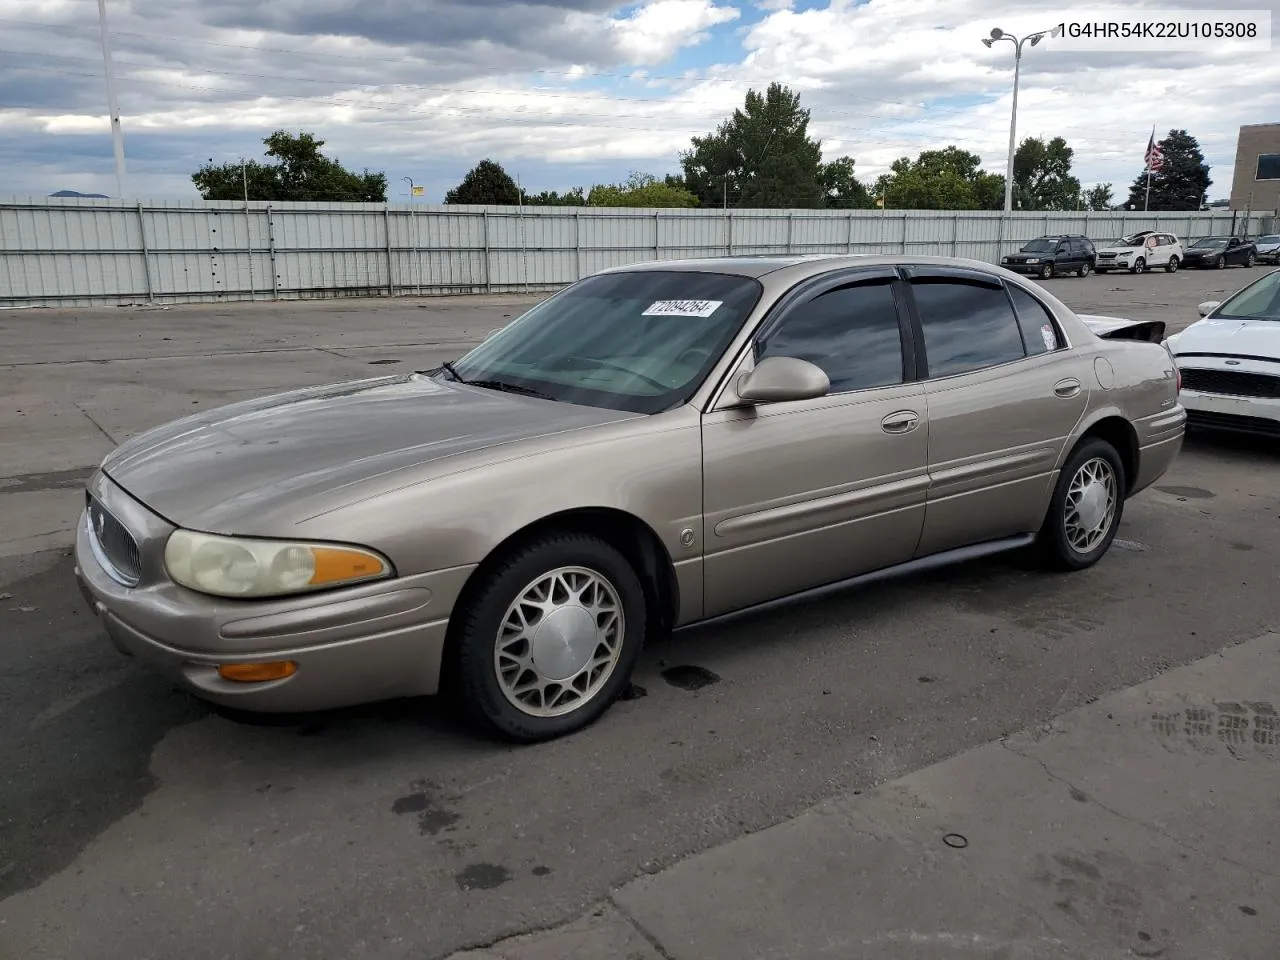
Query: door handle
{"points": [[903, 421], [1067, 388]]}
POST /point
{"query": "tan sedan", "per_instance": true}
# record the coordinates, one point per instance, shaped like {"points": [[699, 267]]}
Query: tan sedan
{"points": [[652, 447]]}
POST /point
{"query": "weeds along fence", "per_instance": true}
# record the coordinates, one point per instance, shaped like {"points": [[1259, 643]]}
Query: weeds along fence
{"points": [[61, 252]]}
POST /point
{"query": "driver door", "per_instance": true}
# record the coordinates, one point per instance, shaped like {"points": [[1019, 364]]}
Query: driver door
{"points": [[801, 494]]}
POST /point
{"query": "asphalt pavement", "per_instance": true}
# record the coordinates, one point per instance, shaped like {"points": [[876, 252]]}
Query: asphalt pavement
{"points": [[136, 823]]}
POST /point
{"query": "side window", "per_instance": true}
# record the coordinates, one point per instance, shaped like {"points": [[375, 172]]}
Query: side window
{"points": [[852, 333], [967, 326], [1039, 332]]}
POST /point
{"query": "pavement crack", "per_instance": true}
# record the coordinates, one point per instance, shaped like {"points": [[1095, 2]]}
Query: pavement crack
{"points": [[649, 938], [101, 429], [1138, 822]]}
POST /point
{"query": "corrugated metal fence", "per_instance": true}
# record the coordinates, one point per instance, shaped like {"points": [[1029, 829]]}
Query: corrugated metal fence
{"points": [[78, 252]]}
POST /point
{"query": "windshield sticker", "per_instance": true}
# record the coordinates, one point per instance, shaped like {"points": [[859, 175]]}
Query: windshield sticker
{"points": [[683, 308], [1050, 338]]}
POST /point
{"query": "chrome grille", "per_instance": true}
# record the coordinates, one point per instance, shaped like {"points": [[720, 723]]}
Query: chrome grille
{"points": [[113, 545], [1232, 383]]}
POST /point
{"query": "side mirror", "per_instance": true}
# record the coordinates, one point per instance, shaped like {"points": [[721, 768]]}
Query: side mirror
{"points": [[1207, 307], [777, 379]]}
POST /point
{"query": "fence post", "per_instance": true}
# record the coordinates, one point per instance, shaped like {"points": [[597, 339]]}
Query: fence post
{"points": [[791, 226], [955, 234], [248, 242], [417, 242], [391, 281], [577, 245], [1000, 238], [728, 232], [848, 241], [271, 250], [904, 232], [146, 253], [657, 235], [488, 269]]}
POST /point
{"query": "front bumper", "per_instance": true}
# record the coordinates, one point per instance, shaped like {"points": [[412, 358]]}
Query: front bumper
{"points": [[356, 645], [1117, 264], [1271, 256], [1028, 269], [1253, 415]]}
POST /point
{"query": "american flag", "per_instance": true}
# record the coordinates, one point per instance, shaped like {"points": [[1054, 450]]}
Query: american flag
{"points": [[1154, 157]]}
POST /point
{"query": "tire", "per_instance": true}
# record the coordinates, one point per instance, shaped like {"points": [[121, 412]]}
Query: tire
{"points": [[1172, 265], [1061, 544], [548, 569], [1139, 266], [1251, 260], [1220, 263], [1046, 271], [1084, 270]]}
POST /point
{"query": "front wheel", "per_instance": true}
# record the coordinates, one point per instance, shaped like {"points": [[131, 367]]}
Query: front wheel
{"points": [[1046, 271], [1086, 507], [1139, 266], [549, 639], [1251, 260], [1172, 265], [1220, 263]]}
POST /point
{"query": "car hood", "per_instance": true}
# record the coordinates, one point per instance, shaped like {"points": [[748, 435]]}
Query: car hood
{"points": [[239, 467], [1204, 251], [1242, 338]]}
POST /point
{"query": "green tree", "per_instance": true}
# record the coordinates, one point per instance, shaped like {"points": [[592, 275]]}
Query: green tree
{"points": [[946, 179], [550, 198], [301, 173], [1098, 197], [640, 190], [1042, 177], [1181, 183], [841, 187], [486, 182], [761, 157]]}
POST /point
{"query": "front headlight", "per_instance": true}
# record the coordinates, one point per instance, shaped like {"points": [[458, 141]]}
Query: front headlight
{"points": [[1033, 259], [236, 567]]}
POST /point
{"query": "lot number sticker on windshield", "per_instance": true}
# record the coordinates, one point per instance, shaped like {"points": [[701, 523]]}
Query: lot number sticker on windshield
{"points": [[683, 308], [1049, 336]]}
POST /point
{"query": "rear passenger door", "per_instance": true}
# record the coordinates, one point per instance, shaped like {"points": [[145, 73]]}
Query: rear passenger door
{"points": [[1001, 405]]}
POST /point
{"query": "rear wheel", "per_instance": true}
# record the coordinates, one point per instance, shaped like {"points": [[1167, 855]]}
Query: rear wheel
{"points": [[1087, 504], [1172, 265], [1084, 269], [549, 639]]}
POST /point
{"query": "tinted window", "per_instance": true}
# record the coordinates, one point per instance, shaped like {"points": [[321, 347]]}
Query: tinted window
{"points": [[639, 340], [851, 333], [1043, 245], [967, 326], [1038, 330]]}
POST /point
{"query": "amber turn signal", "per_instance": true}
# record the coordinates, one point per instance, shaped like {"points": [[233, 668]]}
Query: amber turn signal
{"points": [[257, 672]]}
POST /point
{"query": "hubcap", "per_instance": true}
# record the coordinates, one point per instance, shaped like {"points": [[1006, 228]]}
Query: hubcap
{"points": [[1091, 505], [559, 642]]}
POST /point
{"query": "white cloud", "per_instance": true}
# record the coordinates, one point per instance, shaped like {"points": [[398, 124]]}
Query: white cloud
{"points": [[883, 79]]}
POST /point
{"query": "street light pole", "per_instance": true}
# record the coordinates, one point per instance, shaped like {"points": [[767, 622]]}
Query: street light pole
{"points": [[1034, 38], [117, 135]]}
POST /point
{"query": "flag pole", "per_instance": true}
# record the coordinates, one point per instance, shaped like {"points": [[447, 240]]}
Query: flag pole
{"points": [[1146, 204]]}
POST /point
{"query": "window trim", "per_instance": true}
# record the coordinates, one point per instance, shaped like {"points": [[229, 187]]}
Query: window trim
{"points": [[810, 288], [977, 278]]}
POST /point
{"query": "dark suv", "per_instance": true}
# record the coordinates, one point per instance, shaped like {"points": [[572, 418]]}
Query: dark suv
{"points": [[1058, 255]]}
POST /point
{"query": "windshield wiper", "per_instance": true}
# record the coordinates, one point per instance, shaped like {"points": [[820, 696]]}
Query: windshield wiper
{"points": [[501, 385]]}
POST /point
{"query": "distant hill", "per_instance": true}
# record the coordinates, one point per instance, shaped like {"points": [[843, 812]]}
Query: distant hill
{"points": [[75, 193]]}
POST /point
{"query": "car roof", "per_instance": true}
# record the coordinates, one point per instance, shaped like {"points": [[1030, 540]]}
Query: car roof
{"points": [[798, 267]]}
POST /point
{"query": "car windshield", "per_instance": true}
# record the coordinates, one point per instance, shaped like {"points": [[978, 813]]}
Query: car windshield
{"points": [[1258, 301], [1134, 241], [640, 341], [1043, 245], [1270, 238], [1209, 243]]}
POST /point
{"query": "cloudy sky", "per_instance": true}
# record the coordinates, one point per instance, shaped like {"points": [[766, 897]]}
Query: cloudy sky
{"points": [[569, 92]]}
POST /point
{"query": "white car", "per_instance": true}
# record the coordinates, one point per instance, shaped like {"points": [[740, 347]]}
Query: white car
{"points": [[1268, 248], [1140, 252], [1229, 361]]}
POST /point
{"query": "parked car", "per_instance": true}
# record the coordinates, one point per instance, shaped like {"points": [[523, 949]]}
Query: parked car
{"points": [[1268, 248], [1053, 256], [1219, 252], [1140, 252], [655, 446], [1230, 361]]}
